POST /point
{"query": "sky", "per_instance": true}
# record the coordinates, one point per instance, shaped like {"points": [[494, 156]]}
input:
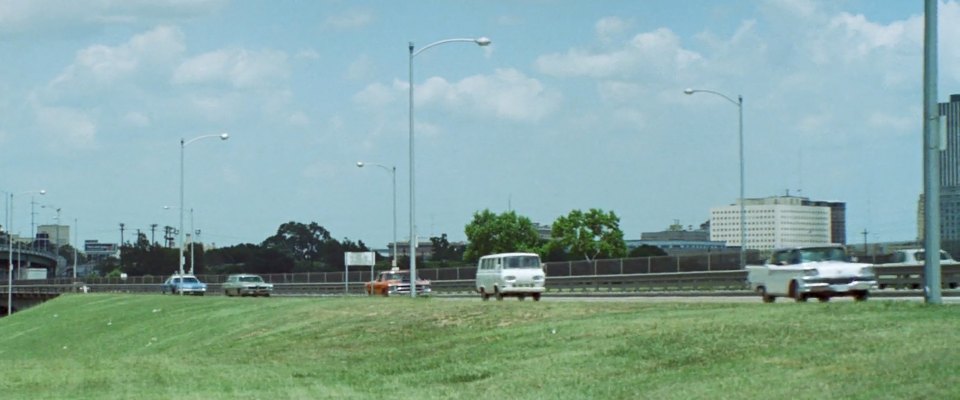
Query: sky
{"points": [[574, 105]]}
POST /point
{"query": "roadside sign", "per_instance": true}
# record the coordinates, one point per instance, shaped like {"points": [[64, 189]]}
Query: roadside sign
{"points": [[365, 258]]}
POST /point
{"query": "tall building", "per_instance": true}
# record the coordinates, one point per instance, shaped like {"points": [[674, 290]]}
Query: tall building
{"points": [[950, 157], [780, 221], [949, 180]]}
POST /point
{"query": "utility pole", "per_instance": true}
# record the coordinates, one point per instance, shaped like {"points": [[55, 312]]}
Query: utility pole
{"points": [[153, 230], [121, 245], [865, 254], [931, 157]]}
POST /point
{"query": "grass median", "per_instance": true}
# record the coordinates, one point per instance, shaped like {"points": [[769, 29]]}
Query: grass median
{"points": [[102, 346]]}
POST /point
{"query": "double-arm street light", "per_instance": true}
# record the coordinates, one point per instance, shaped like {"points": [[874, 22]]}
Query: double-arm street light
{"points": [[10, 246], [393, 174], [743, 227], [183, 144], [481, 41]]}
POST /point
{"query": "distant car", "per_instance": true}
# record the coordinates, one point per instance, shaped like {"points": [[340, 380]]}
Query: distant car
{"points": [[188, 284], [396, 282], [246, 285]]}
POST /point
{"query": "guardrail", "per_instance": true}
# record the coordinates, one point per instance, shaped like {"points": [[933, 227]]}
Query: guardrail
{"points": [[896, 277]]}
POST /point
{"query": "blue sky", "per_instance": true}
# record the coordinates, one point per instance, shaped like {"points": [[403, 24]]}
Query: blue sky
{"points": [[575, 105]]}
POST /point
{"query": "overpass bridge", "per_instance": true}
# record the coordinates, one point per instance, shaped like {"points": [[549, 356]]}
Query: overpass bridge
{"points": [[26, 258]]}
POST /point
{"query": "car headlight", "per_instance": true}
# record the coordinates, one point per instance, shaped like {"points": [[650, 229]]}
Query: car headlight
{"points": [[810, 272], [866, 271], [538, 278]]}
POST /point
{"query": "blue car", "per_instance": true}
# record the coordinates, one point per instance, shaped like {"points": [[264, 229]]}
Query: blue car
{"points": [[188, 284]]}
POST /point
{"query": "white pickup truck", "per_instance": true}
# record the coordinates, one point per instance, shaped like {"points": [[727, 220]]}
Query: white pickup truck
{"points": [[803, 272]]}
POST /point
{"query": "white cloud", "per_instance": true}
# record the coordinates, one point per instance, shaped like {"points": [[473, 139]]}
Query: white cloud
{"points": [[298, 118], [240, 68], [361, 68], [507, 94], [353, 19], [620, 91], [100, 65], [69, 128], [949, 52], [657, 51], [308, 54], [377, 95], [611, 27], [30, 16], [136, 119]]}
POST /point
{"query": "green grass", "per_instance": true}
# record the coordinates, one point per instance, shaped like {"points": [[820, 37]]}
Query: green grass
{"points": [[166, 347]]}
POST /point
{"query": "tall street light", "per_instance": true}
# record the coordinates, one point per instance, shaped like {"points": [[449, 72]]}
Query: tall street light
{"points": [[743, 227], [10, 247], [481, 41], [183, 144], [393, 172]]}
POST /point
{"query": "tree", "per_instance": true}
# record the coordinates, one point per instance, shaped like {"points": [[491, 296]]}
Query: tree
{"points": [[304, 243], [490, 233], [594, 234], [248, 258], [443, 251]]}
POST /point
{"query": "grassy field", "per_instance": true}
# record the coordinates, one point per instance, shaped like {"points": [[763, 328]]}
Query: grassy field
{"points": [[167, 347]]}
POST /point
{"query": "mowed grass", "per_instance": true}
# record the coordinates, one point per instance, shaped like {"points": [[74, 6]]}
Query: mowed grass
{"points": [[101, 346]]}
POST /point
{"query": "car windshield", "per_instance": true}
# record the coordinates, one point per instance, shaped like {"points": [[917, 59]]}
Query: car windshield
{"points": [[823, 254], [397, 276], [251, 279], [522, 262], [190, 279], [943, 256]]}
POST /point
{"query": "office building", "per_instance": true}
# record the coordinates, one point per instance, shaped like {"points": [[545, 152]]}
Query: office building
{"points": [[780, 221]]}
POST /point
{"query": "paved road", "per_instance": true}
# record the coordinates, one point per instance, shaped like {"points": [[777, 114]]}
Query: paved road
{"points": [[948, 298]]}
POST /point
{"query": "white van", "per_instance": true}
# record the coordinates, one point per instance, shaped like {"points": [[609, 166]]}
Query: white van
{"points": [[510, 274]]}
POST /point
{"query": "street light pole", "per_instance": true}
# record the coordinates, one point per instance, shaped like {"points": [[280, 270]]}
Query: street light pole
{"points": [[193, 238], [393, 173], [10, 249], [183, 144], [743, 216], [481, 41]]}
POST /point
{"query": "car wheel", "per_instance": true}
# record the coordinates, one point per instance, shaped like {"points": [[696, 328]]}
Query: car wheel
{"points": [[484, 295], [795, 292], [823, 299], [226, 293], [522, 297], [861, 295], [496, 292], [766, 297], [536, 296]]}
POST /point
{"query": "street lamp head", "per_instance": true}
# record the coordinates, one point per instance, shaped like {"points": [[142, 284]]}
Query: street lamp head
{"points": [[688, 91], [224, 136], [483, 41], [359, 164]]}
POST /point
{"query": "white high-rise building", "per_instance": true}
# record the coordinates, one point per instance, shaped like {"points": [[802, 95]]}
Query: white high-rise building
{"points": [[773, 223]]}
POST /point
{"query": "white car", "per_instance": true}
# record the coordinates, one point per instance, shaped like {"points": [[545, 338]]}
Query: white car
{"points": [[804, 272], [246, 285], [511, 274]]}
